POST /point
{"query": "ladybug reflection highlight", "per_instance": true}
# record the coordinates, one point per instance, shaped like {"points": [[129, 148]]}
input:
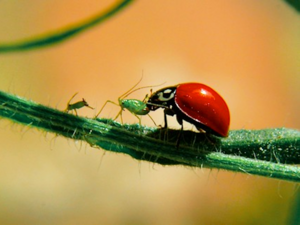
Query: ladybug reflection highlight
{"points": [[195, 103]]}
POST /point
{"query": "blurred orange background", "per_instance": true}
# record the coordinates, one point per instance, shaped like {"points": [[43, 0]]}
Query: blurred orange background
{"points": [[248, 51]]}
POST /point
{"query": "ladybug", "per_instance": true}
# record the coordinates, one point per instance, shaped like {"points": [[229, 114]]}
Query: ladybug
{"points": [[195, 103]]}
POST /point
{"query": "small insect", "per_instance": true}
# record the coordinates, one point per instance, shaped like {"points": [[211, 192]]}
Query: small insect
{"points": [[195, 103], [134, 106], [76, 105]]}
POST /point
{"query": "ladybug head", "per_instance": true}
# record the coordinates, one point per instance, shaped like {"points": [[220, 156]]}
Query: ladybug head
{"points": [[161, 98]]}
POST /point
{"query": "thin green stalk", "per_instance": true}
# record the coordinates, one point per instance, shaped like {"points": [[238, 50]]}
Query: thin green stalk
{"points": [[294, 3], [268, 152], [63, 34]]}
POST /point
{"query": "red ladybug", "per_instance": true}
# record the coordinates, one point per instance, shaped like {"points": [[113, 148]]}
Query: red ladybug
{"points": [[195, 103]]}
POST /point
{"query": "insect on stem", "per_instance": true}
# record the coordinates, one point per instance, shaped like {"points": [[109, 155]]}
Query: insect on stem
{"points": [[134, 106], [76, 105]]}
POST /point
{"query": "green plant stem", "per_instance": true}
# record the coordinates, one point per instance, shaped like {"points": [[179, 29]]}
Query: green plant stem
{"points": [[294, 3], [63, 34], [259, 152]]}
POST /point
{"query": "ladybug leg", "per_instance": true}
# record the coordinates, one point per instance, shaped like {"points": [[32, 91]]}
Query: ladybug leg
{"points": [[179, 137], [165, 119], [179, 120], [169, 112]]}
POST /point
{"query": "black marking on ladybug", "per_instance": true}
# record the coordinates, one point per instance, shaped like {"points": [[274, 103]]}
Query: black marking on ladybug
{"points": [[166, 95]]}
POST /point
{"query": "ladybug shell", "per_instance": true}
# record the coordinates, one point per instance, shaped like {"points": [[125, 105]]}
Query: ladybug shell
{"points": [[201, 104]]}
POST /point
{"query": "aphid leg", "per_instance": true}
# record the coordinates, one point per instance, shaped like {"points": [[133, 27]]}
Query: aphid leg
{"points": [[75, 112], [147, 96], [108, 101], [139, 118], [152, 120], [119, 114]]}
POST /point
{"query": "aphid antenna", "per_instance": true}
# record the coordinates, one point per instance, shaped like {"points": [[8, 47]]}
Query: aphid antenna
{"points": [[131, 90], [150, 86], [68, 104]]}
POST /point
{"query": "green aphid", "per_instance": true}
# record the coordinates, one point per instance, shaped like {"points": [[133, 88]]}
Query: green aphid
{"points": [[134, 106], [76, 105]]}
